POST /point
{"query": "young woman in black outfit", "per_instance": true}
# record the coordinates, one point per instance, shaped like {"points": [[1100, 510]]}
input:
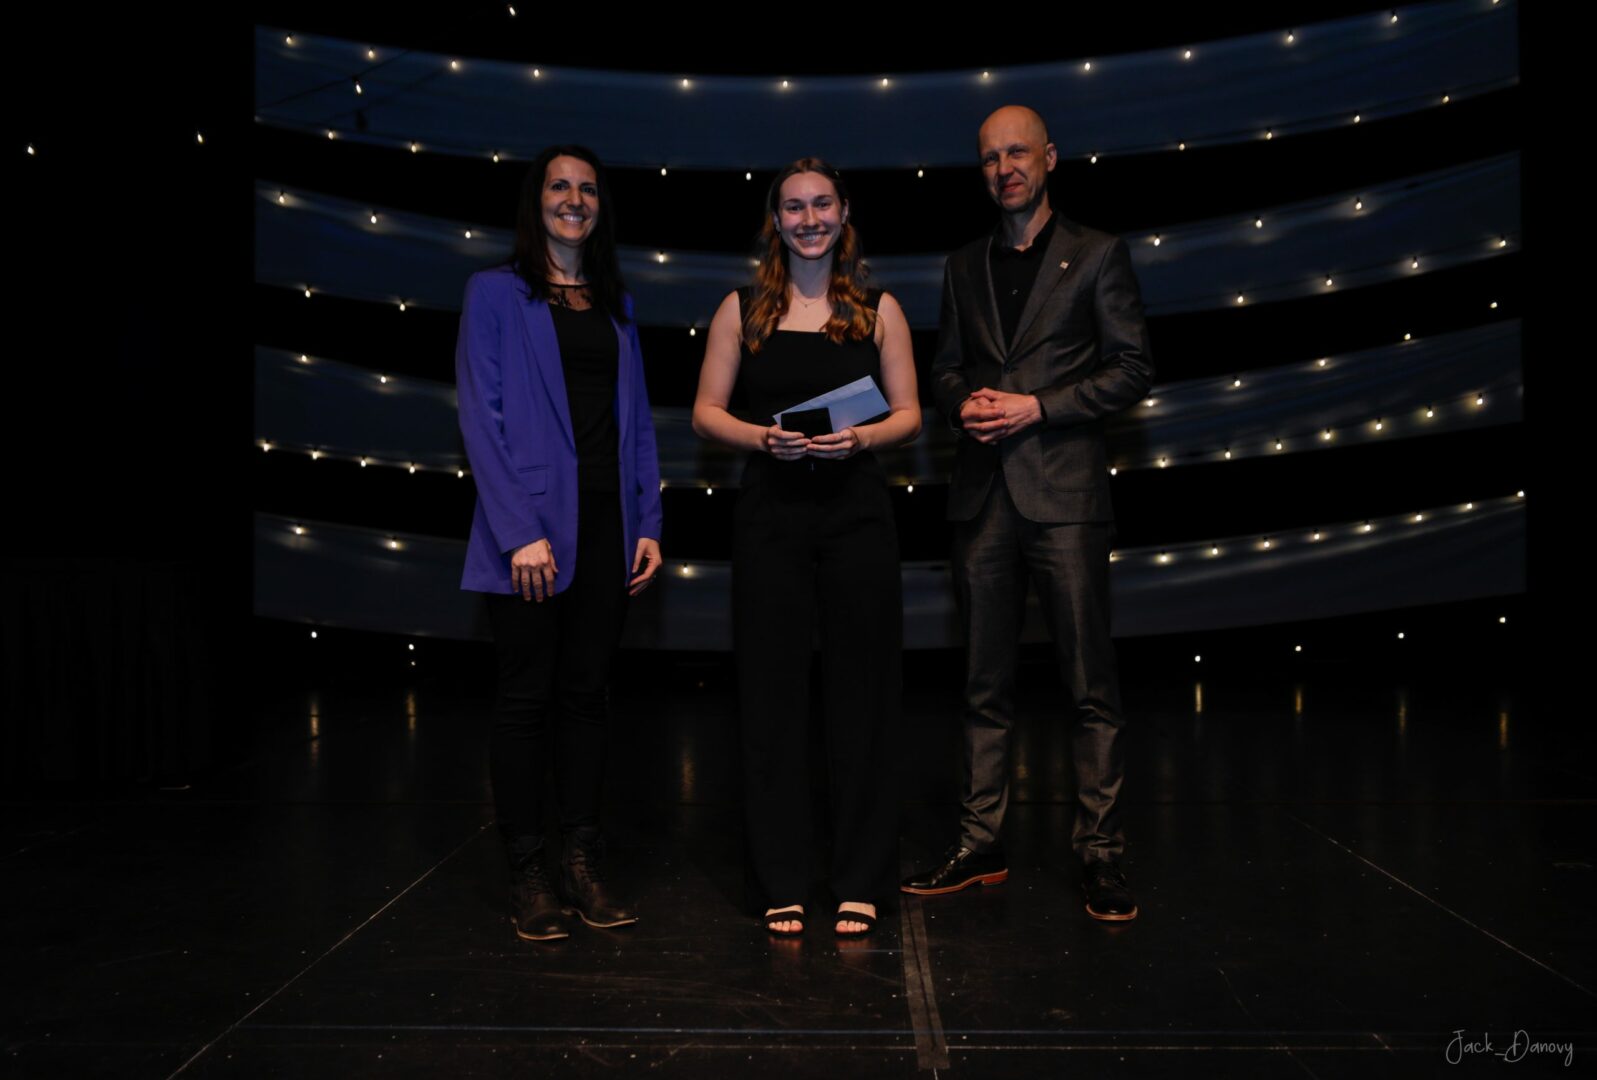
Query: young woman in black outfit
{"points": [[814, 547]]}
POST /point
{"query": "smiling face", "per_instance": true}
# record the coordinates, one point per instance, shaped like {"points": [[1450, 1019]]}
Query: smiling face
{"points": [[570, 201], [1016, 158], [809, 215]]}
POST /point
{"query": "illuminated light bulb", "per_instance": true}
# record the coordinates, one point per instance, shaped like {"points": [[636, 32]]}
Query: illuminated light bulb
{"points": [[1520, 494], [1093, 160], [1318, 535], [31, 151], [1446, 98], [371, 54], [316, 455], [401, 305], [1186, 54], [299, 530], [304, 359], [1181, 146], [1502, 242], [393, 544], [1269, 134], [313, 635], [1494, 305], [1164, 462], [1164, 556], [363, 462], [1414, 263], [1114, 556], [1157, 241], [1394, 19], [1235, 383], [413, 468], [785, 84], [693, 331], [358, 90], [662, 170], [512, 10], [910, 490], [289, 40], [282, 199], [1408, 337], [331, 134], [200, 138], [884, 82], [709, 491], [1278, 444], [1502, 619], [1114, 470], [1357, 118], [415, 148], [383, 379], [1228, 453], [1323, 361], [1418, 518], [468, 234], [687, 85], [1366, 527], [307, 292], [460, 474], [411, 647], [1380, 425], [1197, 659], [659, 256], [266, 446], [1480, 399], [919, 173], [454, 65], [537, 73], [1469, 506], [1291, 38], [1258, 223], [496, 157], [1328, 282], [1214, 549], [1266, 542], [373, 218], [748, 176], [1297, 648], [1241, 299], [1150, 402], [1358, 204], [686, 571], [1430, 414], [1087, 66], [1326, 434], [1400, 635]]}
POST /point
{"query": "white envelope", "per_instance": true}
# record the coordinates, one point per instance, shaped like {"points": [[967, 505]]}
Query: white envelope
{"points": [[847, 405]]}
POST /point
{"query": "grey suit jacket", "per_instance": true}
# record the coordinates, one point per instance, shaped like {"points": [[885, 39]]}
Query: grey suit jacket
{"points": [[1081, 346]]}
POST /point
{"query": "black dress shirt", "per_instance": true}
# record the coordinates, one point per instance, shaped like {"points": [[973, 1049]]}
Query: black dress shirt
{"points": [[1014, 272]]}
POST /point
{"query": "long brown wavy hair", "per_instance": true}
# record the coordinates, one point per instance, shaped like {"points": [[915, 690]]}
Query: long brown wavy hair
{"points": [[852, 319]]}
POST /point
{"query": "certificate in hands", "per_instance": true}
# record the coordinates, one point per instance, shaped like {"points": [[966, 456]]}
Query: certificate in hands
{"points": [[854, 403]]}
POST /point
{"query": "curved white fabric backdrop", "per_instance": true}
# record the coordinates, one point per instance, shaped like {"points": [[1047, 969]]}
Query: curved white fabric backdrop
{"points": [[1228, 91], [1445, 218], [1465, 379], [335, 575]]}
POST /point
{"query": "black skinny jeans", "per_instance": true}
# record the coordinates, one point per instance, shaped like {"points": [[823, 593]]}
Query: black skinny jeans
{"points": [[554, 670]]}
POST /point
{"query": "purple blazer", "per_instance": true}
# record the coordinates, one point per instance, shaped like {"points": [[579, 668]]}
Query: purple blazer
{"points": [[516, 422]]}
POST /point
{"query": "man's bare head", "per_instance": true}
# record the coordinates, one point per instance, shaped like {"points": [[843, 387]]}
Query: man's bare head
{"points": [[1016, 158]]}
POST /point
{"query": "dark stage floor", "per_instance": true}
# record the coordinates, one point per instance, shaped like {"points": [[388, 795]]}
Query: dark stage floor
{"points": [[1337, 871]]}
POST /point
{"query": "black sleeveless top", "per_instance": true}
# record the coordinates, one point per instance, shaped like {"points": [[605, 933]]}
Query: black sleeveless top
{"points": [[792, 367]]}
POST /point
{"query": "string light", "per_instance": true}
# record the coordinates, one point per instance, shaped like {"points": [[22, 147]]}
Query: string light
{"points": [[496, 157], [299, 530], [1367, 527], [1469, 506], [316, 455], [393, 544], [358, 90], [1236, 383], [662, 170], [1414, 263], [785, 84], [910, 489], [1241, 298], [1181, 146], [31, 151], [1357, 117], [920, 173], [304, 359], [401, 305], [1502, 241], [363, 462], [1318, 535], [1278, 444], [1164, 556], [1197, 659], [373, 219], [1480, 399], [1494, 305], [371, 54], [1214, 549], [537, 73], [687, 85], [1086, 67], [1323, 361], [1394, 19], [1446, 98], [1430, 413], [1164, 462], [1258, 223], [331, 134], [1379, 424], [266, 446], [1269, 135], [693, 331], [1291, 38], [454, 65], [884, 83], [313, 635], [1358, 204], [413, 468], [748, 176], [659, 256], [1157, 240], [307, 292], [289, 41], [1328, 282], [199, 137], [1418, 518], [1228, 453], [1408, 337], [468, 234], [1326, 434], [1186, 54], [415, 148], [383, 379], [1520, 494], [986, 74], [1093, 160]]}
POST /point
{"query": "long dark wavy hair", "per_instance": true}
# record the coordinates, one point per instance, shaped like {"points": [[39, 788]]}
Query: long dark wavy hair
{"points": [[599, 263], [852, 319]]}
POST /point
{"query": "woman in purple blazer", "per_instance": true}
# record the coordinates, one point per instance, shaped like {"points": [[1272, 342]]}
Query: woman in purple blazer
{"points": [[556, 423]]}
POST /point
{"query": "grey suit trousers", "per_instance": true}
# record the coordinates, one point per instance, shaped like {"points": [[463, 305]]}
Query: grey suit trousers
{"points": [[996, 552]]}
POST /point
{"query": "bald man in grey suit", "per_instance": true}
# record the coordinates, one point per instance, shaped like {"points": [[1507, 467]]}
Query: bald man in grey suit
{"points": [[1042, 338]]}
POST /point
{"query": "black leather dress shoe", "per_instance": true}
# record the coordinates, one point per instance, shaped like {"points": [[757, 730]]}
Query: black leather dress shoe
{"points": [[960, 869], [584, 889], [1108, 898], [534, 907]]}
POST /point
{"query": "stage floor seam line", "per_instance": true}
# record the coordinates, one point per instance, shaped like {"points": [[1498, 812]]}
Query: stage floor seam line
{"points": [[235, 1025], [1438, 904], [920, 993]]}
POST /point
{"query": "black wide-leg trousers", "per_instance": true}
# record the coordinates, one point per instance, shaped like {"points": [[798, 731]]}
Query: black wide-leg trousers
{"points": [[995, 554], [554, 671], [815, 554]]}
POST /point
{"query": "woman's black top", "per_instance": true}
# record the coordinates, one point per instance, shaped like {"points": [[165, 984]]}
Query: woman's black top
{"points": [[792, 367], [589, 357]]}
